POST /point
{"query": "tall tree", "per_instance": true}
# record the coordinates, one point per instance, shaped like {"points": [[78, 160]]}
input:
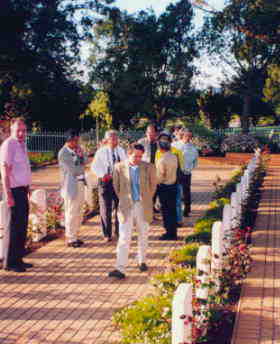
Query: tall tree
{"points": [[39, 47], [234, 36], [147, 64], [215, 108]]}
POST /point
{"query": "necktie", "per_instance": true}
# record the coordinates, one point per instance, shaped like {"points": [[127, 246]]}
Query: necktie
{"points": [[113, 158]]}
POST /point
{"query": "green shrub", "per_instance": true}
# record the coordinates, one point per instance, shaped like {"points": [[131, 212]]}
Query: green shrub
{"points": [[145, 321], [36, 159], [167, 282], [202, 236], [240, 143], [185, 255], [216, 208], [205, 223]]}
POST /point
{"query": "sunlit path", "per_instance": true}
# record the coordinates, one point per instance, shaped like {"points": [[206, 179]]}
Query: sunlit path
{"points": [[67, 297]]}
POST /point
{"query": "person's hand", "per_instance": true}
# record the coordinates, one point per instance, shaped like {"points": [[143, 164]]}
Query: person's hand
{"points": [[10, 200]]}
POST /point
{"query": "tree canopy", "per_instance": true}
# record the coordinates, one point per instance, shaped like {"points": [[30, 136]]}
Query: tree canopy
{"points": [[234, 35], [39, 50], [147, 64]]}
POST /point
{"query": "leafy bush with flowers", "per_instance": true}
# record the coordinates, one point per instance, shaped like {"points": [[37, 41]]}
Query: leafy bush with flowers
{"points": [[39, 159], [149, 320], [55, 210], [207, 140], [240, 143], [184, 256], [167, 282]]}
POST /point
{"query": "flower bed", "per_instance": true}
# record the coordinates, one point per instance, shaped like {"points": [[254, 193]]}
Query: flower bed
{"points": [[148, 320], [41, 159], [49, 222]]}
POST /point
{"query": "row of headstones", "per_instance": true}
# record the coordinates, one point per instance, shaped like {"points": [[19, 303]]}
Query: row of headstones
{"points": [[209, 262], [37, 219]]}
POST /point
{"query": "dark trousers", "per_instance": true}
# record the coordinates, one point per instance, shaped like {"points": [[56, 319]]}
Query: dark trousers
{"points": [[186, 184], [167, 196], [108, 201], [18, 226]]}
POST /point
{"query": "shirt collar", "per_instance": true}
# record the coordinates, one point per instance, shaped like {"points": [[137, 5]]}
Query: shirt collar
{"points": [[70, 150]]}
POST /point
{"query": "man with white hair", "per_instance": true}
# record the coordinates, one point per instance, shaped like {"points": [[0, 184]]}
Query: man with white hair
{"points": [[16, 180], [103, 167]]}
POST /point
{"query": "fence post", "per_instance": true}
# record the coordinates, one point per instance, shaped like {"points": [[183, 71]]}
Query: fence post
{"points": [[182, 314]]}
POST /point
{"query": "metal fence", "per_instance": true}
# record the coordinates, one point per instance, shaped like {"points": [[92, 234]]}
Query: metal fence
{"points": [[258, 131], [53, 141], [45, 142]]}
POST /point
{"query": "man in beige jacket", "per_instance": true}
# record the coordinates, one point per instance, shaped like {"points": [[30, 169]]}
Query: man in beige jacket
{"points": [[135, 183]]}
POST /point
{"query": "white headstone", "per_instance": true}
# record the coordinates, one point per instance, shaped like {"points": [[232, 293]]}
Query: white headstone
{"points": [[218, 250], [235, 217], [4, 227], [203, 266], [227, 224], [239, 199], [182, 314], [92, 183], [39, 198], [37, 229], [243, 190]]}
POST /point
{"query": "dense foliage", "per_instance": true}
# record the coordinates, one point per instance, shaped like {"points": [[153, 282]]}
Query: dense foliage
{"points": [[39, 52], [146, 66]]}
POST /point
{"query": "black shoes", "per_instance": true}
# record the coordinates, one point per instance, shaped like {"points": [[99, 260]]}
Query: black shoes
{"points": [[168, 237], [15, 268], [143, 267], [117, 274], [26, 265], [75, 244], [20, 267]]}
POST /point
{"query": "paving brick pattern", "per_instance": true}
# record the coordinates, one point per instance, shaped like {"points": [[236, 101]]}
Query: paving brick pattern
{"points": [[67, 297], [258, 320]]}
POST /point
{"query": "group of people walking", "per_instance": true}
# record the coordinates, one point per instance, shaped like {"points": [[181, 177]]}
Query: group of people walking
{"points": [[153, 172]]}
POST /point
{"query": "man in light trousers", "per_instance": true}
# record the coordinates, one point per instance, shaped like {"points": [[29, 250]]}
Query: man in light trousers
{"points": [[71, 162], [135, 183]]}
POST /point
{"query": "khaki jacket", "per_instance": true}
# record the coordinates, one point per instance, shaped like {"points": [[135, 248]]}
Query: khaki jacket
{"points": [[122, 186]]}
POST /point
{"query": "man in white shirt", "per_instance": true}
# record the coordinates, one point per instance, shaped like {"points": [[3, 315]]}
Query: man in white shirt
{"points": [[103, 167], [190, 162]]}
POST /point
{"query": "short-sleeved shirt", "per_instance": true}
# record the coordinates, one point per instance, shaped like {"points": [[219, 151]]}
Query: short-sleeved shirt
{"points": [[14, 154], [166, 167]]}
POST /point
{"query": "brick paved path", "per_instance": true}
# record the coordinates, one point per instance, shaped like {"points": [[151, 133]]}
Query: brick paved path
{"points": [[67, 297], [258, 320]]}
